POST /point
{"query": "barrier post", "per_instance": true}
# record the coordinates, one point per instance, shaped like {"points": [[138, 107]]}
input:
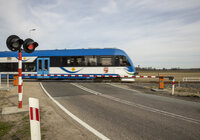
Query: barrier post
{"points": [[34, 119], [20, 79], [173, 85], [8, 81]]}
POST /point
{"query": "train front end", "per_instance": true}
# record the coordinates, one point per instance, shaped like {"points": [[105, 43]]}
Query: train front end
{"points": [[127, 72]]}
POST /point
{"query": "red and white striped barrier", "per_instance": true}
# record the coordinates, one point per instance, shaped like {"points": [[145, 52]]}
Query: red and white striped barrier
{"points": [[34, 119], [20, 80], [86, 75], [145, 76]]}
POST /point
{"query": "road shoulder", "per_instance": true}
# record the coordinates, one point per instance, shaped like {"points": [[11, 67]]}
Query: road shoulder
{"points": [[55, 124]]}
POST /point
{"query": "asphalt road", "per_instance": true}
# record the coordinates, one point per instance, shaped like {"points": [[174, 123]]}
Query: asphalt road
{"points": [[122, 114]]}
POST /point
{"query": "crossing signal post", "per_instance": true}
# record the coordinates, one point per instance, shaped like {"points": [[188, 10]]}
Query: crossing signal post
{"points": [[14, 43]]}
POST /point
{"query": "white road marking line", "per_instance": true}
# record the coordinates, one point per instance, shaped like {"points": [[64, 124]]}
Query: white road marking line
{"points": [[139, 105], [91, 129], [123, 88]]}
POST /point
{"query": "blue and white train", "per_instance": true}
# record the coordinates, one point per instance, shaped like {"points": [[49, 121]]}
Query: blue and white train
{"points": [[71, 64]]}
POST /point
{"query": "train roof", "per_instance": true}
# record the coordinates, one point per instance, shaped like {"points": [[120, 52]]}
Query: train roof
{"points": [[67, 52]]}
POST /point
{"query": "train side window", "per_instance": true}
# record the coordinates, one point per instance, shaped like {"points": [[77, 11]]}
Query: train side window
{"points": [[89, 61], [65, 61], [40, 65], [55, 61], [106, 61], [1, 67], [124, 61], [72, 61], [8, 67], [116, 61], [68, 62], [46, 65], [15, 66], [83, 61], [79, 61], [29, 67]]}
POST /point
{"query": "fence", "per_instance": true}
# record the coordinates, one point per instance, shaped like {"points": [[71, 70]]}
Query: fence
{"points": [[191, 79], [5, 81]]}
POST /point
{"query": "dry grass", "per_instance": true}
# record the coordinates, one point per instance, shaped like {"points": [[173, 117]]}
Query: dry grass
{"points": [[178, 75]]}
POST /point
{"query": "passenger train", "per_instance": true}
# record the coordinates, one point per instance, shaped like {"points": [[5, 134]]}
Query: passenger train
{"points": [[96, 64]]}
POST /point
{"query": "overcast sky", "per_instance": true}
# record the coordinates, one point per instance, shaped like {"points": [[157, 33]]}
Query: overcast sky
{"points": [[154, 33]]}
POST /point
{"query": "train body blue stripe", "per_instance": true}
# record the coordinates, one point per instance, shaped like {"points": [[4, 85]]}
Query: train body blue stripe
{"points": [[67, 52]]}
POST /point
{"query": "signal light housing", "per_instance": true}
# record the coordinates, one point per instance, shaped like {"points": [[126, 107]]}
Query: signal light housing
{"points": [[14, 43], [29, 45]]}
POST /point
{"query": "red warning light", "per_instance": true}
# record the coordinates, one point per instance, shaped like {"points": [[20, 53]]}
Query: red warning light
{"points": [[30, 47]]}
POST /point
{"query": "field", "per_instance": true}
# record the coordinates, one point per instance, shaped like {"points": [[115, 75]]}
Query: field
{"points": [[184, 89], [178, 74]]}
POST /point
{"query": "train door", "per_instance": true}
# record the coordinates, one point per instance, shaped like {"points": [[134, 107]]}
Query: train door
{"points": [[43, 65]]}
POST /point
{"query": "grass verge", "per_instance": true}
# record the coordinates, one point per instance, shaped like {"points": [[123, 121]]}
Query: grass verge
{"points": [[5, 127]]}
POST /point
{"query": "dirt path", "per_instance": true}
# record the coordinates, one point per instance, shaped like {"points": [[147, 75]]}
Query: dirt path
{"points": [[55, 124]]}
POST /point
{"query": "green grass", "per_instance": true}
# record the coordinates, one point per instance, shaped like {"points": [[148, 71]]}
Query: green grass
{"points": [[192, 95], [26, 118], [24, 132], [5, 128]]}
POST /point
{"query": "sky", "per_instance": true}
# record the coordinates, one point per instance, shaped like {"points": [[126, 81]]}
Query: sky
{"points": [[154, 33]]}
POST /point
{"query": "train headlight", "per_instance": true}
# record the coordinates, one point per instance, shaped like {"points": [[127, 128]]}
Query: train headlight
{"points": [[14, 43], [29, 45]]}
